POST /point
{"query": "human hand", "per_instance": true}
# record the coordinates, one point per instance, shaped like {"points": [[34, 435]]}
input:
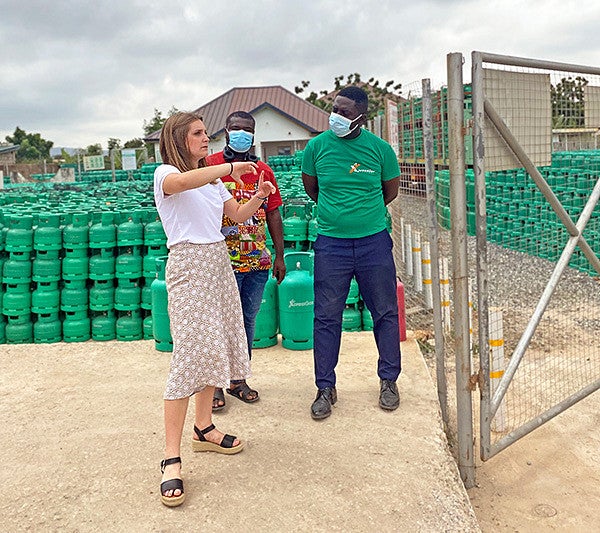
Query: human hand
{"points": [[239, 168], [264, 187], [279, 269]]}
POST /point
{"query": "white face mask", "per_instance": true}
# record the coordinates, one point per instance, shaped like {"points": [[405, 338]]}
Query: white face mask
{"points": [[341, 125]]}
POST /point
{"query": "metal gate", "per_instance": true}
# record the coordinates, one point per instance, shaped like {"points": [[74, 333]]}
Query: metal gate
{"points": [[536, 196]]}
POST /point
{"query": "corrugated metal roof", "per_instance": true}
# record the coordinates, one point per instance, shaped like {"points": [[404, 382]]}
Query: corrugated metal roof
{"points": [[251, 99], [8, 148]]}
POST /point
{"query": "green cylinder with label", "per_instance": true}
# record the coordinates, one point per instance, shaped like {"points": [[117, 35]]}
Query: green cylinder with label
{"points": [[296, 302], [351, 319], [161, 325]]}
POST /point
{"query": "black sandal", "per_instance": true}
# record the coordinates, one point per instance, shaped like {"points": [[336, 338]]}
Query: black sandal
{"points": [[242, 392], [171, 484], [218, 396], [204, 445]]}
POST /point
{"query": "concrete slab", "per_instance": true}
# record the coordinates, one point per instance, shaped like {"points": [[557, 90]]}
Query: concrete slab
{"points": [[82, 438]]}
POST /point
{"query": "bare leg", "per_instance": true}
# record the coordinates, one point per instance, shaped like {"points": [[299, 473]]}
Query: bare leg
{"points": [[175, 411], [204, 400]]}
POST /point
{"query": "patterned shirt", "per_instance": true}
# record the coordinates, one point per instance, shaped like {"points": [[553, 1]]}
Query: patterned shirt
{"points": [[246, 241]]}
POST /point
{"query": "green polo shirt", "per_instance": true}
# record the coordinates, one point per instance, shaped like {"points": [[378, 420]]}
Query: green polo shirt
{"points": [[350, 173]]}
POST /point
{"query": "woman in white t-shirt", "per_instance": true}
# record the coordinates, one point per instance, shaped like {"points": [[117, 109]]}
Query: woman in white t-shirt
{"points": [[209, 343]]}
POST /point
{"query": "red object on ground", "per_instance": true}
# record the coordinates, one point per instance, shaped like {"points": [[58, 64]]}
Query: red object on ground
{"points": [[401, 309]]}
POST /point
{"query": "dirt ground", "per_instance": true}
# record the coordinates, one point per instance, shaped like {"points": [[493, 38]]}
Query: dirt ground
{"points": [[82, 434]]}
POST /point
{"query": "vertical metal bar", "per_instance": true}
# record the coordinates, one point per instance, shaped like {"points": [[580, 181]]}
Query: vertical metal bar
{"points": [[482, 263], [458, 215], [434, 238]]}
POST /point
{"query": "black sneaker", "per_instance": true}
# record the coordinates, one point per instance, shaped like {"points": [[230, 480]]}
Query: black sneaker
{"points": [[321, 407], [389, 399]]}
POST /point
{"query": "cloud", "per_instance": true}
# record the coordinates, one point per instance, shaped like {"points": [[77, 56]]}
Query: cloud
{"points": [[80, 72]]}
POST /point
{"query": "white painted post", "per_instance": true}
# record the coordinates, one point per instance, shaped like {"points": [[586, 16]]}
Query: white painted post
{"points": [[408, 240], [445, 293], [471, 346], [426, 262], [497, 364], [417, 265], [402, 244]]}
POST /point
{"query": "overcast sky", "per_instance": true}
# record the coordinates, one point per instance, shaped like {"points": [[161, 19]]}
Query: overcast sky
{"points": [[80, 72]]}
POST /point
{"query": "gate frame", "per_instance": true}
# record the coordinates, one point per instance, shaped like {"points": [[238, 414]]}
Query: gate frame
{"points": [[482, 108]]}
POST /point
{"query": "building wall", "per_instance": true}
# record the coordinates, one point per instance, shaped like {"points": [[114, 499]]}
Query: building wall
{"points": [[274, 133]]}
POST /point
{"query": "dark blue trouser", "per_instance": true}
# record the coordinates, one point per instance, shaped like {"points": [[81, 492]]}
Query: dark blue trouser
{"points": [[251, 286], [370, 260]]}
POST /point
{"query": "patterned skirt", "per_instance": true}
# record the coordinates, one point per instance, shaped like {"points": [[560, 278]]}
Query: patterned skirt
{"points": [[207, 326]]}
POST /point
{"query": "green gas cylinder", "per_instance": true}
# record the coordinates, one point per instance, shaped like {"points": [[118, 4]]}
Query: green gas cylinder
{"points": [[129, 263], [104, 325], [102, 295], [47, 235], [129, 326], [76, 234], [130, 232], [103, 233], [147, 327], [353, 293], [47, 328], [46, 266], [17, 299], [154, 233], [265, 330], [19, 329], [161, 325], [45, 299], [367, 319], [74, 296], [296, 303], [127, 295], [351, 319], [17, 270], [76, 326], [295, 228], [102, 264], [19, 236]]}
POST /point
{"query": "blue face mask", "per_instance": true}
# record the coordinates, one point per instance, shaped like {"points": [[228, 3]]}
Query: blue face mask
{"points": [[240, 141], [341, 125]]}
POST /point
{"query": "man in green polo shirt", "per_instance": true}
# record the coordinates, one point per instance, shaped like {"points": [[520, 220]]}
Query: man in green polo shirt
{"points": [[352, 175]]}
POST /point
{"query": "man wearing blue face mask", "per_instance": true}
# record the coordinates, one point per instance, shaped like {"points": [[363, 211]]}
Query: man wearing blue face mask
{"points": [[246, 242], [352, 175]]}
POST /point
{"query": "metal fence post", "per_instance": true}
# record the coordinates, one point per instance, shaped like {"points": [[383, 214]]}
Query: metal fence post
{"points": [[458, 196], [434, 238], [481, 259]]}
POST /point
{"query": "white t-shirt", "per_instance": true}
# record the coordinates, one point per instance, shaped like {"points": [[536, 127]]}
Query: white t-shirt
{"points": [[192, 216]]}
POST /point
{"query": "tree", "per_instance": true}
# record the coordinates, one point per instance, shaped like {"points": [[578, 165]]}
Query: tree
{"points": [[113, 144], [157, 121], [94, 149], [150, 126], [568, 102], [32, 146], [134, 143], [377, 93]]}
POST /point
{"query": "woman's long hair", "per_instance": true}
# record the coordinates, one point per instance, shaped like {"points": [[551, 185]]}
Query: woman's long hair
{"points": [[173, 142]]}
